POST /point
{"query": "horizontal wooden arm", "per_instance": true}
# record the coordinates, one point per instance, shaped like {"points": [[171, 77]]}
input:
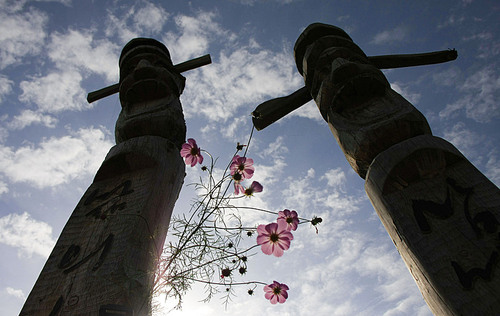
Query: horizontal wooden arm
{"points": [[410, 60], [270, 111], [185, 66]]}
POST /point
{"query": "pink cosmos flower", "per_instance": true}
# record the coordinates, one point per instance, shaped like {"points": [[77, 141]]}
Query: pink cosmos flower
{"points": [[191, 153], [290, 217], [238, 188], [243, 166], [276, 292], [274, 238], [253, 188]]}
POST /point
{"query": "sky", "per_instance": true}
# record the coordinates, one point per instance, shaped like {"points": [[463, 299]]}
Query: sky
{"points": [[52, 53]]}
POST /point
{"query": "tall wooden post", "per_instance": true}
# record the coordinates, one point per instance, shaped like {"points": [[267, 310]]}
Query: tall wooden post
{"points": [[440, 211], [105, 259]]}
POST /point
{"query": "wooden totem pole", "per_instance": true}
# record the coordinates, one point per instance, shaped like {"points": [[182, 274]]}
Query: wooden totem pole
{"points": [[440, 211], [105, 259]]}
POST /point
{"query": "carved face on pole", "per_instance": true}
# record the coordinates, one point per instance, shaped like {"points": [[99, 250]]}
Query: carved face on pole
{"points": [[365, 115], [149, 92]]}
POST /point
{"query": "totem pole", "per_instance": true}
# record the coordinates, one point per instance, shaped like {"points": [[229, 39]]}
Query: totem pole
{"points": [[105, 259], [440, 211]]}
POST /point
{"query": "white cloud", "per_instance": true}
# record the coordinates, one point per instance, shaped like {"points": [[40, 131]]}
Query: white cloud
{"points": [[145, 19], [3, 187], [3, 131], [242, 73], [56, 161], [55, 92], [238, 79], [252, 2], [448, 77], [306, 193], [5, 86], [275, 150], [493, 167], [27, 234], [334, 177], [481, 92], [76, 55], [356, 265], [452, 20], [150, 18], [309, 110], [78, 50], [479, 36], [194, 35], [465, 140], [21, 35], [28, 117], [396, 34], [13, 6], [403, 89], [16, 293]]}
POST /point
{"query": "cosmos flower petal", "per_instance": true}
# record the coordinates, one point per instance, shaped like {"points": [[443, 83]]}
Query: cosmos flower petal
{"points": [[282, 225], [277, 251], [261, 229], [192, 142], [191, 153], [281, 298], [261, 239], [267, 248], [271, 228], [284, 243]]}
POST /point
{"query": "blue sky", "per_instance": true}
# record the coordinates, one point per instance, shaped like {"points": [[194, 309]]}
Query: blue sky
{"points": [[52, 53]]}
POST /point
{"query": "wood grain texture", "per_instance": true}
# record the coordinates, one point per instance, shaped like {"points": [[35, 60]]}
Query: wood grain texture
{"points": [[443, 217], [364, 114], [106, 256], [442, 214], [107, 251]]}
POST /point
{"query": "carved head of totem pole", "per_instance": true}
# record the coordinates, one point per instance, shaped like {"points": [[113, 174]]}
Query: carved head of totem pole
{"points": [[150, 87], [365, 115]]}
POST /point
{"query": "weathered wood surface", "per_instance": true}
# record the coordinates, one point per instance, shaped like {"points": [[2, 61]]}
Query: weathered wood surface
{"points": [[106, 256], [442, 213], [107, 251], [443, 216], [115, 88], [270, 111], [365, 115]]}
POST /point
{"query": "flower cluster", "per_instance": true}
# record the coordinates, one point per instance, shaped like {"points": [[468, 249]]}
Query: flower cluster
{"points": [[242, 168], [207, 237], [275, 238]]}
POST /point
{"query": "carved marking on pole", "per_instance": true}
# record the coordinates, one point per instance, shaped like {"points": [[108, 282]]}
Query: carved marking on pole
{"points": [[69, 256], [111, 197], [57, 306], [105, 266], [438, 210], [70, 253], [125, 186], [484, 222], [467, 278]]}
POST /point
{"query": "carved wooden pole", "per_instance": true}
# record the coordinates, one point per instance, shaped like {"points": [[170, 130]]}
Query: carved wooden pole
{"points": [[105, 259], [440, 211]]}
